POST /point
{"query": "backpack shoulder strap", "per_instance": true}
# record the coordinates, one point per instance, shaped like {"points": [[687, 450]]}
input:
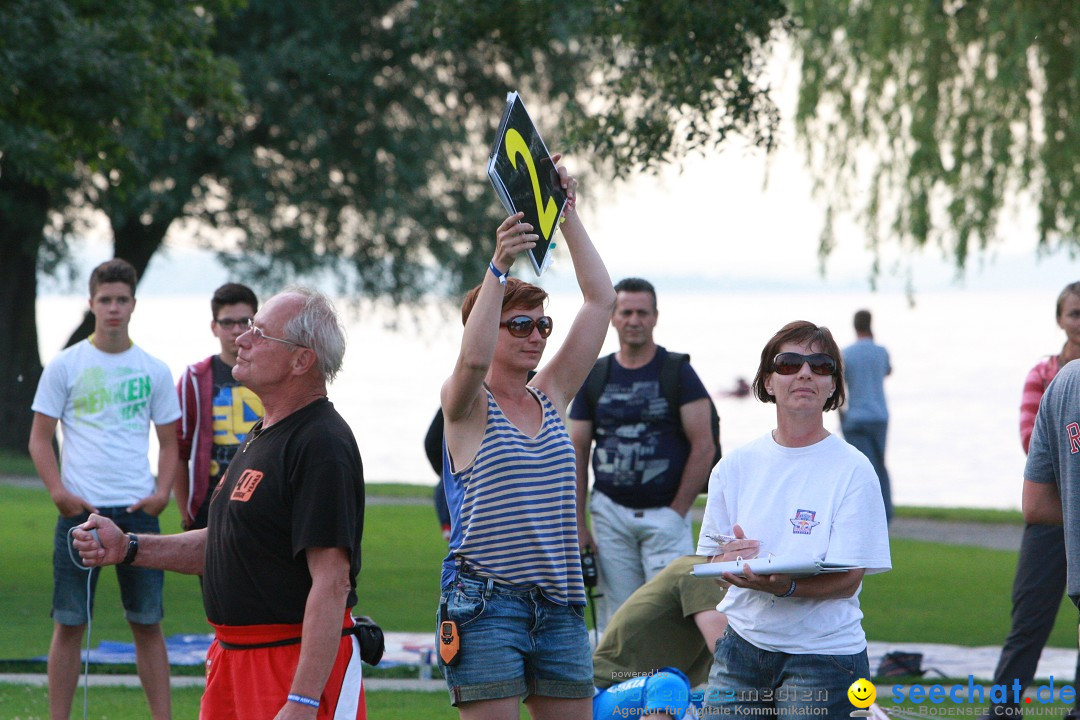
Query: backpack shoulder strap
{"points": [[669, 380], [597, 379]]}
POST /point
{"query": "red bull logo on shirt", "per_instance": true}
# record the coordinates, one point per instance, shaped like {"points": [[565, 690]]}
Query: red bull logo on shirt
{"points": [[803, 522]]}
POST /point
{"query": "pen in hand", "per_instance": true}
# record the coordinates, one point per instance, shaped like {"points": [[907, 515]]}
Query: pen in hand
{"points": [[745, 548]]}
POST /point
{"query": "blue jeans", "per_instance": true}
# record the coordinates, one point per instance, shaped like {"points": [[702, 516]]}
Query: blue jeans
{"points": [[746, 680], [515, 642], [140, 588], [869, 439]]}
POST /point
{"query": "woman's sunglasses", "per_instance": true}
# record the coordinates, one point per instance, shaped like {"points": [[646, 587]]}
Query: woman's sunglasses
{"points": [[789, 363], [521, 326]]}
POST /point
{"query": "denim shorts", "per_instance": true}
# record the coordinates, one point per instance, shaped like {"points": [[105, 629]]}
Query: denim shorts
{"points": [[515, 642], [140, 588], [746, 680]]}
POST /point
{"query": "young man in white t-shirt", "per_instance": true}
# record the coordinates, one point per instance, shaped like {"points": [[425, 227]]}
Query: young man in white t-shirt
{"points": [[105, 392]]}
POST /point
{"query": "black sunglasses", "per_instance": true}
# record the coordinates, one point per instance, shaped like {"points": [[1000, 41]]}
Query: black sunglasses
{"points": [[789, 363], [521, 326]]}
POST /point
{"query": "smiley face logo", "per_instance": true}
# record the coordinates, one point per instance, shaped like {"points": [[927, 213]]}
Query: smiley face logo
{"points": [[862, 693]]}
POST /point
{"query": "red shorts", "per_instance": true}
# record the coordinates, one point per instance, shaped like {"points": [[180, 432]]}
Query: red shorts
{"points": [[252, 683]]}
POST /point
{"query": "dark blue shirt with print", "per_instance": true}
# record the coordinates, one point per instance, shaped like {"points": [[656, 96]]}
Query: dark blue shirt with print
{"points": [[640, 446]]}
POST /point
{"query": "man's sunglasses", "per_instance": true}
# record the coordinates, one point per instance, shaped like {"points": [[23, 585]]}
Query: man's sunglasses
{"points": [[789, 363], [521, 326]]}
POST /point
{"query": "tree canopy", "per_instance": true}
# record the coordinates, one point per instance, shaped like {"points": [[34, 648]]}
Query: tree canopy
{"points": [[326, 134], [366, 126], [352, 136], [930, 118], [74, 76]]}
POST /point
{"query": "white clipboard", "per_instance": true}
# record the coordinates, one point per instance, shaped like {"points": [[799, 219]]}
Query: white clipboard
{"points": [[771, 565]]}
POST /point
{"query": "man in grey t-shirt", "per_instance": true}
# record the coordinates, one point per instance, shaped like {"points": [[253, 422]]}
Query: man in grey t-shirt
{"points": [[1052, 473]]}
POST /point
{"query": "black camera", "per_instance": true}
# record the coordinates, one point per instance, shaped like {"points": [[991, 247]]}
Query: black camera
{"points": [[589, 574]]}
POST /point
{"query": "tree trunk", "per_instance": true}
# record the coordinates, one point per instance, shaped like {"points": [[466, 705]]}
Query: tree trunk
{"points": [[23, 211]]}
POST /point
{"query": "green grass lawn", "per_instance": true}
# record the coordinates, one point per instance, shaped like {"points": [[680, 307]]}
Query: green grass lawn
{"points": [[945, 594], [22, 702], [936, 593], [398, 586], [12, 463]]}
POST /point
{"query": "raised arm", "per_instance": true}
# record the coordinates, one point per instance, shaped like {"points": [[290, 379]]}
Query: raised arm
{"points": [[562, 377], [461, 393]]}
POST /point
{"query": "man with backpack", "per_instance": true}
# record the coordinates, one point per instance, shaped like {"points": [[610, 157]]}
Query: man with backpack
{"points": [[656, 440]]}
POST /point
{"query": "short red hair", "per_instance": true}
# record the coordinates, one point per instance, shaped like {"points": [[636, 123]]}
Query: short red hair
{"points": [[518, 294]]}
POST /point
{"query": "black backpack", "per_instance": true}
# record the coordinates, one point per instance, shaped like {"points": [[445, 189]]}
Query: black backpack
{"points": [[669, 388]]}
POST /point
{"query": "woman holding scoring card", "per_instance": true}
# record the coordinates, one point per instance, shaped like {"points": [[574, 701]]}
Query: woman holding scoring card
{"points": [[512, 602], [795, 644]]}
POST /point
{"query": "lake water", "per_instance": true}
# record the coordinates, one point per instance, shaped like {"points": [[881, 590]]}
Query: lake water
{"points": [[959, 361]]}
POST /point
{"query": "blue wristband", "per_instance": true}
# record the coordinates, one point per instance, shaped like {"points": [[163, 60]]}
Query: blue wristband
{"points": [[790, 590], [496, 273], [303, 700]]}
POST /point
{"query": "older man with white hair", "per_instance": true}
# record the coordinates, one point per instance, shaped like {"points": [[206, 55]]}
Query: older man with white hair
{"points": [[281, 551]]}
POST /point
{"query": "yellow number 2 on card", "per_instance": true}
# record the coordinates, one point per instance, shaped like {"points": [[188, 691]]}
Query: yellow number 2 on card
{"points": [[516, 145]]}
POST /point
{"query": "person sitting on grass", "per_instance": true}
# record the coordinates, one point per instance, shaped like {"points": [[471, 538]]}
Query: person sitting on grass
{"points": [[658, 645]]}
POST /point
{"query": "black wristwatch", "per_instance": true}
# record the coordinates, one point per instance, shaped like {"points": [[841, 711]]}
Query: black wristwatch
{"points": [[132, 550]]}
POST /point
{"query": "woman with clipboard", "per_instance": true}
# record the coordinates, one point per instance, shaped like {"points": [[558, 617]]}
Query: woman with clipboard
{"points": [[795, 645], [511, 614]]}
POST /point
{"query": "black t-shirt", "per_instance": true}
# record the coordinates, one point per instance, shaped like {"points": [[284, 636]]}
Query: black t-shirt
{"points": [[294, 485]]}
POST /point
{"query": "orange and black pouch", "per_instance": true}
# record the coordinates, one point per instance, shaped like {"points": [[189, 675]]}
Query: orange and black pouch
{"points": [[449, 641]]}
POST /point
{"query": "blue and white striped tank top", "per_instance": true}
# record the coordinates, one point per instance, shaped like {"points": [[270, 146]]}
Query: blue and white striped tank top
{"points": [[514, 508]]}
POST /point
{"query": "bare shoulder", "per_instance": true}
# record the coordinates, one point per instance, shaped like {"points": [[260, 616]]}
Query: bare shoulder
{"points": [[546, 383]]}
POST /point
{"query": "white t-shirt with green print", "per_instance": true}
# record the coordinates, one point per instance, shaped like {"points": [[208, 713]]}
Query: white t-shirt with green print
{"points": [[105, 403]]}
